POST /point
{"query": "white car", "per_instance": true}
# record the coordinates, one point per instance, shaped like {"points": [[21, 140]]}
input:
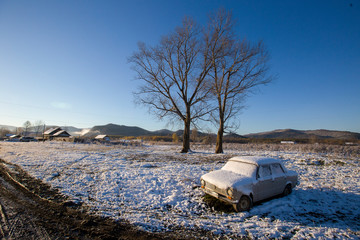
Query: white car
{"points": [[247, 179]]}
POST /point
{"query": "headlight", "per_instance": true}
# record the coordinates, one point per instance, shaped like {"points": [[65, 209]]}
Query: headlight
{"points": [[203, 183], [230, 191]]}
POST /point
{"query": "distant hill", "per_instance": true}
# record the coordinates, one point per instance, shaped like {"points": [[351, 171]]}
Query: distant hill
{"points": [[10, 128], [162, 132], [306, 134], [233, 135], [199, 133], [334, 134], [281, 134], [69, 129], [121, 130]]}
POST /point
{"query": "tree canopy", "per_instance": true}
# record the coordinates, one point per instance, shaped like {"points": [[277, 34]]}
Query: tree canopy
{"points": [[196, 72]]}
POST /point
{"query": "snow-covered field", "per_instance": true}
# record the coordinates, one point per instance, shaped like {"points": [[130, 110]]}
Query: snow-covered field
{"points": [[157, 189]]}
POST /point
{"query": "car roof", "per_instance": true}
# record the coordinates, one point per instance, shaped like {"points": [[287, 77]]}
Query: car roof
{"points": [[256, 160]]}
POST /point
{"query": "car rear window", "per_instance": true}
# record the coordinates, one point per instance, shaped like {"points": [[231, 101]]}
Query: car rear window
{"points": [[277, 169], [242, 168]]}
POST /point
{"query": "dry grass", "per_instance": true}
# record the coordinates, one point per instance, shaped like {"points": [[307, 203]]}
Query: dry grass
{"points": [[326, 149], [343, 151]]}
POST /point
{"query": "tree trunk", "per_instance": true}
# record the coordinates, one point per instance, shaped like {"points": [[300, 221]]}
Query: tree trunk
{"points": [[219, 138], [186, 136]]}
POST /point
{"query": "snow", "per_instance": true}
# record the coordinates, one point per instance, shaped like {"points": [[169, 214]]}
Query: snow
{"points": [[224, 179], [255, 159], [157, 189], [245, 169]]}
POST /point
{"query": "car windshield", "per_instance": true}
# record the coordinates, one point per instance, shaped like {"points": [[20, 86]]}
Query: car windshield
{"points": [[242, 168]]}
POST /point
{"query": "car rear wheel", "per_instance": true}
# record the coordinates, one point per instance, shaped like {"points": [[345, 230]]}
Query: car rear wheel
{"points": [[287, 190], [244, 204]]}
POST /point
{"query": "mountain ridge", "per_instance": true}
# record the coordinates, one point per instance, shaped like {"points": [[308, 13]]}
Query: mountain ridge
{"points": [[305, 134], [114, 129], [122, 130]]}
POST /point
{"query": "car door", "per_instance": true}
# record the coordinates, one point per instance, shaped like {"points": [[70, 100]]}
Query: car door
{"points": [[264, 186], [279, 178]]}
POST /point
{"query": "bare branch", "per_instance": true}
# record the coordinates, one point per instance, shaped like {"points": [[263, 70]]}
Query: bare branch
{"points": [[237, 68], [173, 76]]}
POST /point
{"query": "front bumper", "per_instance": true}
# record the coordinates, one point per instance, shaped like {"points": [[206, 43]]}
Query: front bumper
{"points": [[219, 196]]}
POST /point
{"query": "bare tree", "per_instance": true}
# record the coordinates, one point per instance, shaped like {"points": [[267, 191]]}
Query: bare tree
{"points": [[4, 131], [38, 126], [175, 138], [26, 127], [237, 68], [18, 130], [174, 74], [194, 134]]}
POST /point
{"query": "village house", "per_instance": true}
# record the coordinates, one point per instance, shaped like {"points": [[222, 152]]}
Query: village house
{"points": [[104, 138], [288, 142], [56, 134], [13, 137]]}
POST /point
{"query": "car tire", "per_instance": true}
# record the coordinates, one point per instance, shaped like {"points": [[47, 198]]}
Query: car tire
{"points": [[244, 204], [287, 190]]}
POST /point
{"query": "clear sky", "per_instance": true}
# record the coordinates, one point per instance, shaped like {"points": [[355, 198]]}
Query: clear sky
{"points": [[65, 62]]}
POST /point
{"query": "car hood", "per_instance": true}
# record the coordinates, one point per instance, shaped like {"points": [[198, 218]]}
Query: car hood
{"points": [[224, 179]]}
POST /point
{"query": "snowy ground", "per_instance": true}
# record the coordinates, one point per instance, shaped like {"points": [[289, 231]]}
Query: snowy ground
{"points": [[157, 189]]}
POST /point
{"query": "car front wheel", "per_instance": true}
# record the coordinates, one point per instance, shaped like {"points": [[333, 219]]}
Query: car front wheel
{"points": [[244, 204], [287, 190]]}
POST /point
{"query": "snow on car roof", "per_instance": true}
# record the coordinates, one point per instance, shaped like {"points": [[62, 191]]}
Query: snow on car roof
{"points": [[257, 160]]}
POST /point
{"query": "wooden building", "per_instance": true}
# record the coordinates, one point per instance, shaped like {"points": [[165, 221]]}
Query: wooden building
{"points": [[56, 134]]}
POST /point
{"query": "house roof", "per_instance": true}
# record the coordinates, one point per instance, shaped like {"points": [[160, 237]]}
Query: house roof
{"points": [[14, 136], [100, 136], [257, 160], [57, 132], [61, 133], [52, 131]]}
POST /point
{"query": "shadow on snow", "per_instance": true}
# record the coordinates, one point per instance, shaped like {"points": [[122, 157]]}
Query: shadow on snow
{"points": [[311, 207]]}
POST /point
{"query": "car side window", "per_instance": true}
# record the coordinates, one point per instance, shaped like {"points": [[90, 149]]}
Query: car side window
{"points": [[264, 171], [276, 169]]}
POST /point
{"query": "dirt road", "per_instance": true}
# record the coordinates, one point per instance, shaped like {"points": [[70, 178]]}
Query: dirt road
{"points": [[29, 209]]}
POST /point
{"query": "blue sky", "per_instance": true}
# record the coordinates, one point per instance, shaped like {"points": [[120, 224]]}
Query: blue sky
{"points": [[65, 62]]}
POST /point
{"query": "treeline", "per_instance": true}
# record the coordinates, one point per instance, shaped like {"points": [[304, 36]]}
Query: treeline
{"points": [[211, 139], [295, 141], [169, 138], [36, 128]]}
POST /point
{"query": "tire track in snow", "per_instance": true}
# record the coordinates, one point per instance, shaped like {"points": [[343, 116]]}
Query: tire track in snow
{"points": [[67, 167], [4, 225]]}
